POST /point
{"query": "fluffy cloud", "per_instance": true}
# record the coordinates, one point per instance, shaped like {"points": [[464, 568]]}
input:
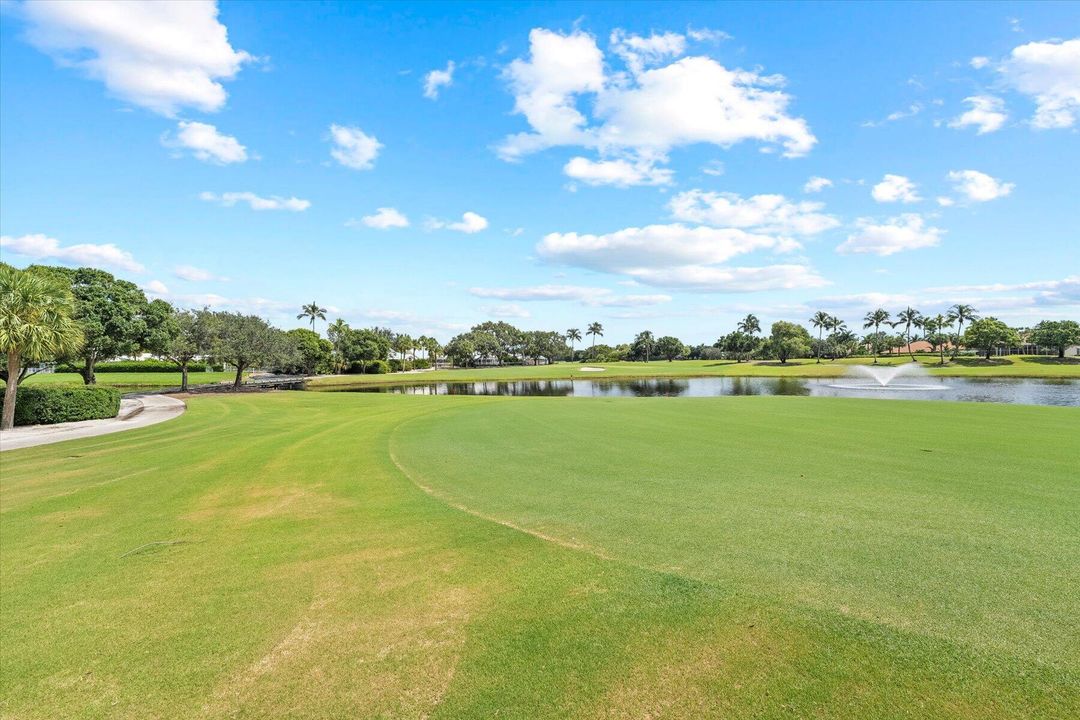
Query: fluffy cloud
{"points": [[620, 173], [768, 213], [980, 61], [987, 114], [354, 148], [470, 223], [206, 143], [43, 247], [639, 116], [196, 274], [385, 218], [1048, 72], [895, 188], [599, 297], [156, 287], [438, 79], [162, 56], [979, 187], [506, 310], [816, 184], [255, 202], [906, 232], [677, 256]]}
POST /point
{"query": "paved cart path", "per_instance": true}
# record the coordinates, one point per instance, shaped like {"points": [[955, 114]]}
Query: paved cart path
{"points": [[135, 412]]}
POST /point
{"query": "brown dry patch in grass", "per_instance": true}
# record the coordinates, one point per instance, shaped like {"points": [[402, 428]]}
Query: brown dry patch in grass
{"points": [[701, 672], [257, 502], [361, 648], [63, 516]]}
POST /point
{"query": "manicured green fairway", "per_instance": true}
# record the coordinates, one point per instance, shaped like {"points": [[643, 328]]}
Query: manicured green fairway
{"points": [[1011, 366], [352, 555], [139, 380]]}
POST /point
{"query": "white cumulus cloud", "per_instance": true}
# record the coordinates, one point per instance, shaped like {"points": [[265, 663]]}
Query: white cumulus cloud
{"points": [[592, 296], [979, 187], [1049, 73], [354, 148], [469, 224], [987, 114], [196, 274], [817, 184], [384, 218], [640, 115], [895, 188], [255, 202], [905, 232], [162, 56], [42, 247], [767, 213], [206, 143], [620, 173], [437, 79]]}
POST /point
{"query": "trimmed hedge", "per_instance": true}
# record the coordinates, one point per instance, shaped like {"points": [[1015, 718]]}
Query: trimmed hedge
{"points": [[136, 366], [51, 404], [374, 367]]}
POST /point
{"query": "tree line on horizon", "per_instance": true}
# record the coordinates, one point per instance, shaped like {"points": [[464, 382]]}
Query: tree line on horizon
{"points": [[81, 317]]}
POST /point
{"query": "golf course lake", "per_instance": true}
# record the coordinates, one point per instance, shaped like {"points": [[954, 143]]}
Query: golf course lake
{"points": [[1022, 391]]}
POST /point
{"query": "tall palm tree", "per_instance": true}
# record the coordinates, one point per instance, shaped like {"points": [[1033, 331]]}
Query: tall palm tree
{"points": [[961, 313], [749, 325], [833, 325], [820, 320], [36, 323], [908, 317], [645, 339], [312, 311], [875, 319], [595, 329], [573, 335]]}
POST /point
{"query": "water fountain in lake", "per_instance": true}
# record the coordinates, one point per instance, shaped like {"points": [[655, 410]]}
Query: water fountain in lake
{"points": [[885, 378]]}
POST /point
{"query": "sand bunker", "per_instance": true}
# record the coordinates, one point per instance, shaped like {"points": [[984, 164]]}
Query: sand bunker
{"points": [[591, 369]]}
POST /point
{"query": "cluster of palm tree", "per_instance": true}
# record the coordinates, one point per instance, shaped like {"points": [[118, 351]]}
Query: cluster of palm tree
{"points": [[933, 328]]}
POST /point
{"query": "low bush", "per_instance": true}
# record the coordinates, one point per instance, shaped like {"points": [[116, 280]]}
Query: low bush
{"points": [[51, 404], [399, 366], [378, 367], [134, 366], [421, 364]]}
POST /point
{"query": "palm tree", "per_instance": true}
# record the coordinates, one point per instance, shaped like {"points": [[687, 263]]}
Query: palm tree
{"points": [[594, 330], [820, 321], [749, 325], [312, 311], [875, 319], [961, 313], [834, 325], [907, 317], [645, 339], [36, 323], [573, 335]]}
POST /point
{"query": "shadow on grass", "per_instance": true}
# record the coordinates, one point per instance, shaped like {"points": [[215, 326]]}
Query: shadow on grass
{"points": [[981, 362], [1048, 360]]}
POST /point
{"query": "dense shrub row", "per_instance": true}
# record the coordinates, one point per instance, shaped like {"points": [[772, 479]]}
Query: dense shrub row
{"points": [[135, 366], [374, 367], [50, 404]]}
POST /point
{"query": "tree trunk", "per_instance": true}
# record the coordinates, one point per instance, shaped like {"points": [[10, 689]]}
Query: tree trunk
{"points": [[1061, 352], [239, 376], [88, 371], [8, 420], [183, 377], [910, 351]]}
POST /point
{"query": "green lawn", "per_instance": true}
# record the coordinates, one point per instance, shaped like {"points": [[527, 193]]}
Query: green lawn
{"points": [[354, 555], [1011, 366], [136, 380]]}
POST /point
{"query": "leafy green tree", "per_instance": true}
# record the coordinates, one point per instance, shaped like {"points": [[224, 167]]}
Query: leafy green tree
{"points": [[875, 319], [430, 346], [909, 317], [111, 312], [246, 341], [988, 333], [306, 353], [595, 329], [960, 314], [36, 323], [402, 344], [1058, 334], [362, 346], [820, 321], [573, 335], [313, 312], [788, 340], [336, 331], [670, 347], [461, 351], [182, 336], [739, 345]]}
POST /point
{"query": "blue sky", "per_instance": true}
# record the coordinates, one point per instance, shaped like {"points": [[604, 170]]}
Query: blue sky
{"points": [[648, 166]]}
